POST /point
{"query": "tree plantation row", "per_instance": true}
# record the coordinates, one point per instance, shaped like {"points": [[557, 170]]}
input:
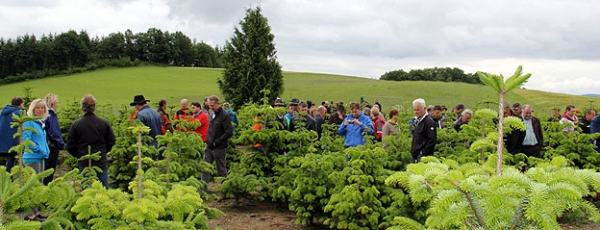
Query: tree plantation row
{"points": [[376, 188]]}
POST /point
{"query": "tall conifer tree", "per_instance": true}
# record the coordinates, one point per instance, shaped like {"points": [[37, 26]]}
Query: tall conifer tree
{"points": [[250, 62]]}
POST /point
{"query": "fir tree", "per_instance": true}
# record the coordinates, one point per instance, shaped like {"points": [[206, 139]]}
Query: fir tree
{"points": [[250, 62]]}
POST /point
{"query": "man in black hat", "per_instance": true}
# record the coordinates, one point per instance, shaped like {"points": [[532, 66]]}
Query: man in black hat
{"points": [[148, 116]]}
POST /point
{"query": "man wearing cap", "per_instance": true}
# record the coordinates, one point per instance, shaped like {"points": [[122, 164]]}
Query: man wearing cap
{"points": [[148, 116], [290, 118], [280, 117]]}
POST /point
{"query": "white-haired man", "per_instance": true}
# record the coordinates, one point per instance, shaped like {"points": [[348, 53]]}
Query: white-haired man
{"points": [[425, 133]]}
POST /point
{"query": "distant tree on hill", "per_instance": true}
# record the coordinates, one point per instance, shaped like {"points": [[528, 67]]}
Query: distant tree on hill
{"points": [[250, 62], [432, 74]]}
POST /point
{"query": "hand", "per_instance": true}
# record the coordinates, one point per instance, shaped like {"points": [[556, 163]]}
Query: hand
{"points": [[346, 122], [356, 122]]}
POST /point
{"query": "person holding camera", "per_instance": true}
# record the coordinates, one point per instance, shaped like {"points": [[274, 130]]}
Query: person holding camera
{"points": [[353, 126]]}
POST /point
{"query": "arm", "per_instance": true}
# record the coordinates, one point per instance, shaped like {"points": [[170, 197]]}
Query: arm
{"points": [[71, 140], [28, 135], [54, 132], [431, 138], [342, 127], [368, 124], [228, 132], [109, 137]]}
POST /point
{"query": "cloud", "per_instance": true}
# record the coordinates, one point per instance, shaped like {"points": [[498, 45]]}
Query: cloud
{"points": [[555, 40]]}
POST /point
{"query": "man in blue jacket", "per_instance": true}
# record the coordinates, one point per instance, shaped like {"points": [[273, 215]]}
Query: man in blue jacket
{"points": [[148, 116], [6, 132], [353, 126]]}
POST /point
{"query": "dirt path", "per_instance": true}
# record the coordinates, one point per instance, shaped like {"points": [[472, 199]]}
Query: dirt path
{"points": [[259, 215], [252, 214]]}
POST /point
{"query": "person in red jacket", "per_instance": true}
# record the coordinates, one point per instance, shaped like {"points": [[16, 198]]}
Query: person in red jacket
{"points": [[199, 115], [378, 123]]}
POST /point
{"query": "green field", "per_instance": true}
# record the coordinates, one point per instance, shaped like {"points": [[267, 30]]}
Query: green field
{"points": [[119, 85]]}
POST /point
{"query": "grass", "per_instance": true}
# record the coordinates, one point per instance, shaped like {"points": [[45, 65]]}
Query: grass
{"points": [[119, 85]]}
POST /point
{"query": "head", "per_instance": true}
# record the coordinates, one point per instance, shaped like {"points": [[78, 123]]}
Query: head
{"points": [[419, 107], [321, 110], [436, 112], [291, 109], [527, 112], [555, 111], [88, 103], [517, 108], [51, 100], [430, 108], [466, 116], [38, 108], [196, 107], [17, 101], [278, 103], [139, 102], [507, 110], [367, 112], [355, 109], [341, 110], [184, 104], [375, 112], [590, 114], [570, 110], [162, 104], [226, 105], [303, 107], [213, 103], [393, 114], [294, 103], [458, 109]]}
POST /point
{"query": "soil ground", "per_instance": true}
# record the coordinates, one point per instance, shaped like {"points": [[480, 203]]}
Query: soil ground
{"points": [[259, 215]]}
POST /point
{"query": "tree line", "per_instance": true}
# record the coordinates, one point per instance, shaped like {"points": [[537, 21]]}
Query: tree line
{"points": [[432, 74], [29, 57]]}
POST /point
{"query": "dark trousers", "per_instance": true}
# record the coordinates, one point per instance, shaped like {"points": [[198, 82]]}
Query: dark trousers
{"points": [[218, 156], [102, 176], [51, 163], [10, 160], [531, 150]]}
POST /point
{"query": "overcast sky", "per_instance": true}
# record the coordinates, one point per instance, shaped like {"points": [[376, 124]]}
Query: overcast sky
{"points": [[557, 41]]}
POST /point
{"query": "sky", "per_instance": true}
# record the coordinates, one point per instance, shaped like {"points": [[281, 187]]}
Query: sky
{"points": [[557, 41]]}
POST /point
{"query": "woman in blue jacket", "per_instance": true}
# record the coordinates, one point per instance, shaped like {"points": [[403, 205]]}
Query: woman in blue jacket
{"points": [[35, 155]]}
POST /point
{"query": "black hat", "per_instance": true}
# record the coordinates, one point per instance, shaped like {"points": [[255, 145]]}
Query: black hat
{"points": [[278, 102], [294, 101], [309, 103], [138, 99]]}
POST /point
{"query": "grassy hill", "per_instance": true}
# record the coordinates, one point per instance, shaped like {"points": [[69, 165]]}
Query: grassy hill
{"points": [[119, 85]]}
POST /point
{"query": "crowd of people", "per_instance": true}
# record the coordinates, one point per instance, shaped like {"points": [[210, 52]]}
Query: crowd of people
{"points": [[216, 125], [93, 132]]}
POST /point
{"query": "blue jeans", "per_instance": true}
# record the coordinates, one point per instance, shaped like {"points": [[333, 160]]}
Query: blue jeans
{"points": [[102, 176]]}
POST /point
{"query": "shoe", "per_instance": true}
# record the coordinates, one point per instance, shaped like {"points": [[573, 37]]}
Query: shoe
{"points": [[39, 215], [34, 218]]}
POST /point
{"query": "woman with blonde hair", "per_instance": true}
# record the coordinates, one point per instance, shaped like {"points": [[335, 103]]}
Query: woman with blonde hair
{"points": [[55, 140], [36, 153]]}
